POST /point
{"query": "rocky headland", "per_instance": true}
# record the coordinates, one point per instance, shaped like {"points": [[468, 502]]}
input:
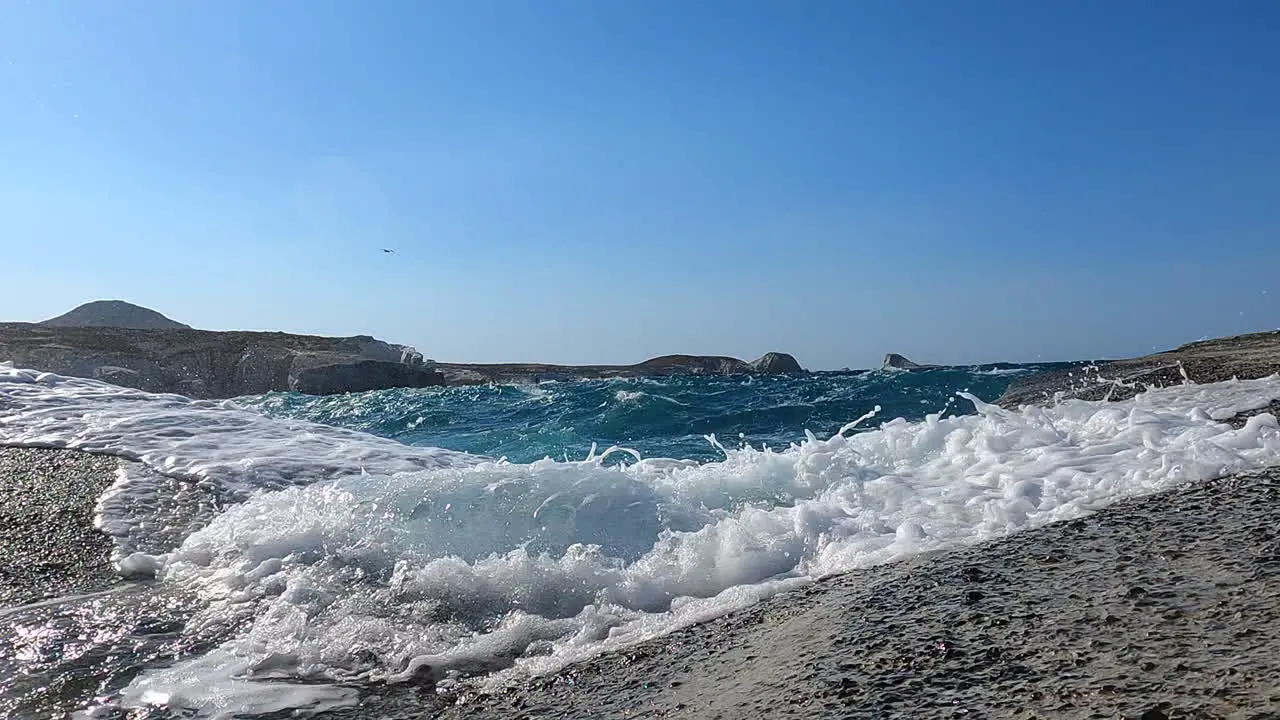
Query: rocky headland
{"points": [[136, 347], [206, 364]]}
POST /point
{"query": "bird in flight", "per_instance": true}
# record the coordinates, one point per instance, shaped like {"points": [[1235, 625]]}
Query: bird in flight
{"points": [[388, 250]]}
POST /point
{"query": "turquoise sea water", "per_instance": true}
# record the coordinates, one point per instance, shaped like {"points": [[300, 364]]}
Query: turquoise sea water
{"points": [[662, 417]]}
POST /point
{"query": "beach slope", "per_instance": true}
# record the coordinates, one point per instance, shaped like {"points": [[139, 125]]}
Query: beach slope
{"points": [[1163, 607]]}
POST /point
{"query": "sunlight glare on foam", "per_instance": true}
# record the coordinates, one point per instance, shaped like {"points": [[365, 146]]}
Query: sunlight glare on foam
{"points": [[220, 686]]}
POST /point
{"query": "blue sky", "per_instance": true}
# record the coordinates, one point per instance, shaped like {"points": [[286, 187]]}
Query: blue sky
{"points": [[574, 181]]}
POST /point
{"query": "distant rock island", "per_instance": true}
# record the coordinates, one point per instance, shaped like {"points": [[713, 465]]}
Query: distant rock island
{"points": [[773, 363], [132, 346], [896, 361]]}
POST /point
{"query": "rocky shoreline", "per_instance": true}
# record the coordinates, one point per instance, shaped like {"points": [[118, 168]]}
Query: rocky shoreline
{"points": [[206, 364], [139, 348], [1242, 356]]}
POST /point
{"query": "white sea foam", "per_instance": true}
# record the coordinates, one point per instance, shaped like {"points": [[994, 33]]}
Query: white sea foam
{"points": [[237, 449], [475, 566], [1003, 371]]}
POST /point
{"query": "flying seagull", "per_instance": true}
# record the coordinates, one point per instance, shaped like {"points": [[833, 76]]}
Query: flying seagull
{"points": [[387, 250]]}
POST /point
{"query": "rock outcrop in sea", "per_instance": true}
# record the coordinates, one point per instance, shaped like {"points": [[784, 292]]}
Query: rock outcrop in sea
{"points": [[776, 363], [899, 362], [773, 363]]}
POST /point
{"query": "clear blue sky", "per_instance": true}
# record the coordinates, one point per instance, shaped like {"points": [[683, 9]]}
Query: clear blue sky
{"points": [[588, 181]]}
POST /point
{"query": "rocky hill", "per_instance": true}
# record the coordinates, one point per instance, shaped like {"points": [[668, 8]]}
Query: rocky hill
{"points": [[114, 313]]}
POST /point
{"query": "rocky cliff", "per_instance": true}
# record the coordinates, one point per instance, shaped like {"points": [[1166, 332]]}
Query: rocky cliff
{"points": [[207, 364]]}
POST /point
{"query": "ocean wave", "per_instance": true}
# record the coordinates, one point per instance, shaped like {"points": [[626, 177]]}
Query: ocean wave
{"points": [[658, 416], [349, 558]]}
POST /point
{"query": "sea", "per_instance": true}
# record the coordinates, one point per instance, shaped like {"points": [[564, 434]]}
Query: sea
{"points": [[288, 556]]}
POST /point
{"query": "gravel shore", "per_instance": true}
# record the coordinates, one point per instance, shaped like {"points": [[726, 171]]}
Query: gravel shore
{"points": [[48, 545]]}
